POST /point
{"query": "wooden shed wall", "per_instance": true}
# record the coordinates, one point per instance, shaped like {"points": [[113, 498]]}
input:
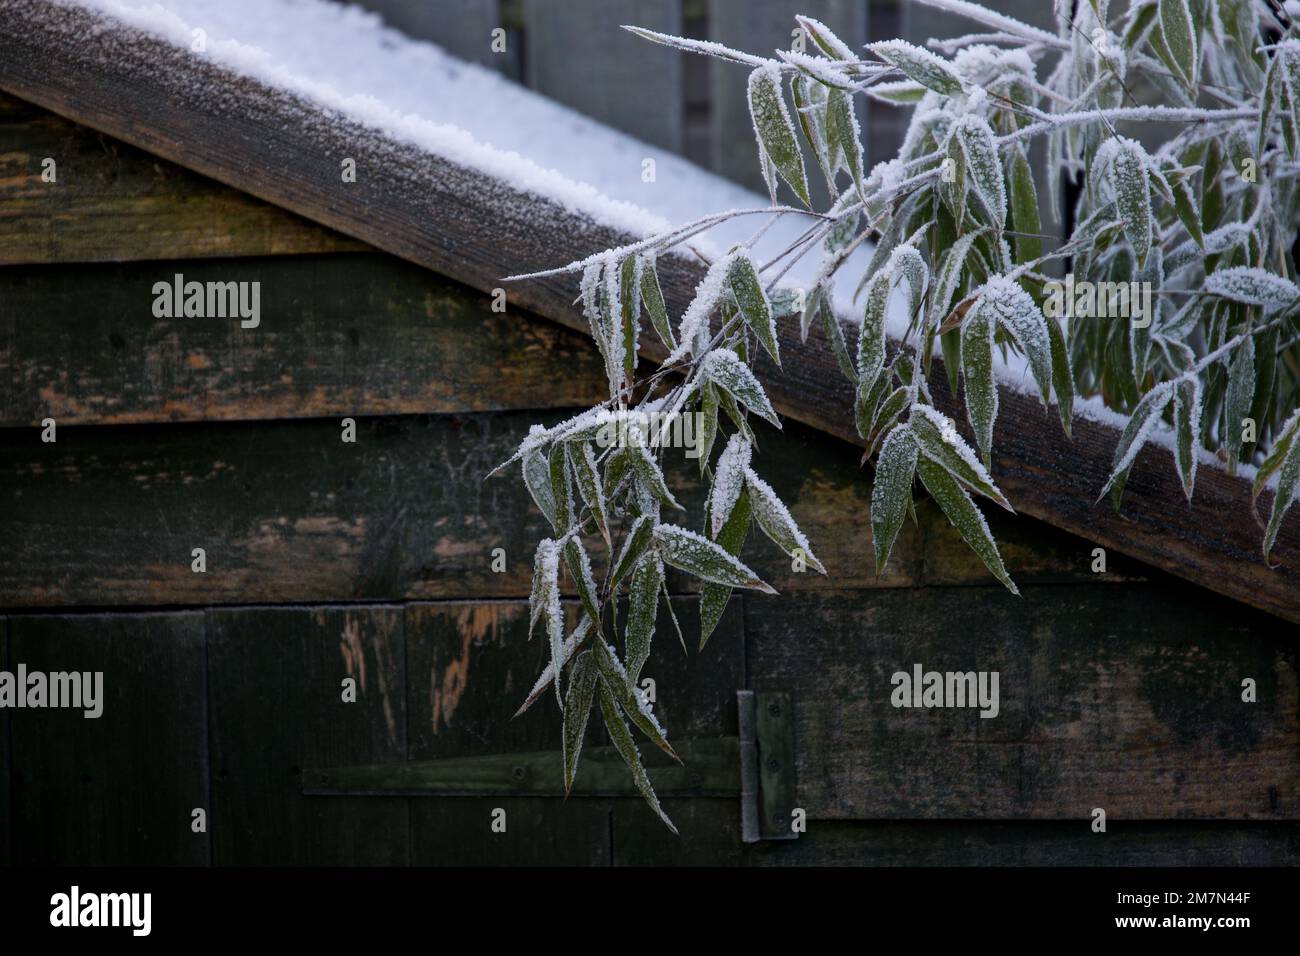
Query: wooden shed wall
{"points": [[372, 560]]}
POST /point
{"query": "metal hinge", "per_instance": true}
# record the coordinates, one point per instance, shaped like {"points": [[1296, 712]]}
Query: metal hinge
{"points": [[759, 764]]}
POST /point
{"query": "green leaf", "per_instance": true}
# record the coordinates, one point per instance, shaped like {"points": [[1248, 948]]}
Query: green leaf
{"points": [[537, 479], [646, 581], [977, 369], [1062, 377], [575, 556], [728, 481], [577, 708], [630, 301], [724, 368], [1252, 287], [891, 492], [1179, 31], [1288, 483], [984, 171], [1136, 432], [561, 489], [921, 65], [649, 474], [1126, 170], [754, 308], [1240, 396], [582, 462], [952, 269], [706, 560], [775, 131], [714, 597], [1025, 219], [835, 335], [777, 522], [965, 517], [1017, 315], [621, 737], [709, 423], [844, 135], [937, 437], [871, 338], [1187, 426], [634, 545], [954, 184], [629, 697], [653, 298]]}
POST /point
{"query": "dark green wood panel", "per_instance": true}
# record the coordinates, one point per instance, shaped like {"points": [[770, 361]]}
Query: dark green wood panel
{"points": [[1125, 698], [275, 681], [1040, 843], [118, 789], [471, 666], [111, 201], [287, 512], [358, 334]]}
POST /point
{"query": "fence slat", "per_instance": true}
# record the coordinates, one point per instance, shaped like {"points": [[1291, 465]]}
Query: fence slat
{"points": [[579, 54], [462, 27]]}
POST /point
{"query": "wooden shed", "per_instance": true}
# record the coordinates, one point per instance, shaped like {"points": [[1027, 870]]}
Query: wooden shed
{"points": [[372, 559]]}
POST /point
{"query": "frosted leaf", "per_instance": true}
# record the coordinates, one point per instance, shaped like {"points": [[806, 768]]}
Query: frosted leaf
{"points": [[1180, 38], [919, 64], [871, 338], [653, 297], [938, 439], [1016, 312], [647, 579], [742, 276], [634, 545], [1123, 164], [983, 168], [1137, 431], [582, 460], [977, 370], [1285, 461], [537, 479], [891, 491], [545, 601], [697, 555], [629, 698], [952, 269], [707, 296], [845, 135], [906, 264], [824, 71], [548, 672], [575, 556], [582, 692], [1240, 394], [1253, 286], [822, 35], [614, 346], [773, 129], [728, 480], [626, 747], [714, 597], [724, 368], [1187, 428], [960, 510], [776, 521]]}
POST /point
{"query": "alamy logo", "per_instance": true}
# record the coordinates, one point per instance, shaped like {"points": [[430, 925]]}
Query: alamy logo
{"points": [[653, 430], [209, 300], [1098, 300], [923, 688], [79, 690], [75, 908]]}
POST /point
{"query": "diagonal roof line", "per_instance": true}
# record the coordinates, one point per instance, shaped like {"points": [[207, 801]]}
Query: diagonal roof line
{"points": [[477, 229]]}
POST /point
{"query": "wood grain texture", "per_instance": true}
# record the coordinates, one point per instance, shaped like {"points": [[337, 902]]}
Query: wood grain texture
{"points": [[433, 212], [1123, 698], [112, 202], [275, 677], [118, 789], [342, 335], [287, 512], [1037, 843]]}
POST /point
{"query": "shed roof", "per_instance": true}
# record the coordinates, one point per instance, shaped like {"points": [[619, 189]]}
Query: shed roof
{"points": [[277, 125]]}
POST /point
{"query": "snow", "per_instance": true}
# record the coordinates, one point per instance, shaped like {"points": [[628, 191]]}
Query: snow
{"points": [[345, 60], [729, 479]]}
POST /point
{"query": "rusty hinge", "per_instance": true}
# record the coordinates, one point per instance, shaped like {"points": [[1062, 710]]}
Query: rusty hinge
{"points": [[759, 764]]}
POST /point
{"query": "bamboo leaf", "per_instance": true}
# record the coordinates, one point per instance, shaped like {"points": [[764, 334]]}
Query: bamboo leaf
{"points": [[706, 560], [714, 597], [1179, 31], [1240, 396], [774, 130], [537, 479], [582, 462], [1187, 426], [937, 437], [777, 522], [921, 65], [647, 579], [630, 700], [634, 545], [891, 492], [577, 708], [621, 737], [965, 517], [754, 307], [724, 368], [653, 298], [1136, 432], [575, 556], [728, 481], [977, 370]]}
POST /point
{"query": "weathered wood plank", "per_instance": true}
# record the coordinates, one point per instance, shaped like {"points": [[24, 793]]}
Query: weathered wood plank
{"points": [[471, 665], [579, 54], [361, 334], [288, 512], [118, 789], [1124, 698], [112, 202], [275, 681], [1038, 843]]}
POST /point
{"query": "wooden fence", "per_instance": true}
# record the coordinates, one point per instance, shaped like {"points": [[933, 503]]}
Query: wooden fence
{"points": [[574, 51]]}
